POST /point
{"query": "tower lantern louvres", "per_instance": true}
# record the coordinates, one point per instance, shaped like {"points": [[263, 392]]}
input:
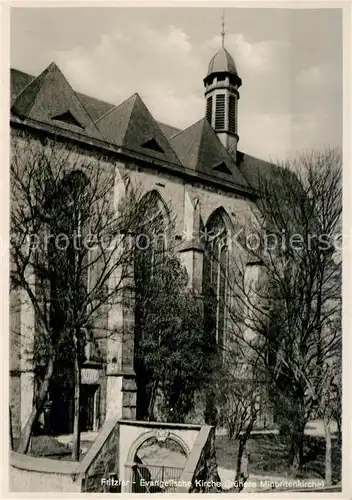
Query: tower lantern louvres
{"points": [[221, 93]]}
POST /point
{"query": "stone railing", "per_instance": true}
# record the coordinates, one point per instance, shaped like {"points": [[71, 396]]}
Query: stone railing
{"points": [[102, 458], [36, 474], [200, 474]]}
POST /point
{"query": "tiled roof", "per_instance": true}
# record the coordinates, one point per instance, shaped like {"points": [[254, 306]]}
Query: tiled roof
{"points": [[199, 148], [48, 98], [253, 169], [131, 126], [95, 107]]}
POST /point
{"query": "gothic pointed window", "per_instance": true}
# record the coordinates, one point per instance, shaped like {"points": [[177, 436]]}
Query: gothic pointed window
{"points": [[68, 215], [151, 233], [215, 277], [150, 262]]}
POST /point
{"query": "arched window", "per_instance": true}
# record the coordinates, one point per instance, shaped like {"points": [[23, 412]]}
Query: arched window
{"points": [[215, 276], [69, 217], [68, 211], [151, 238]]}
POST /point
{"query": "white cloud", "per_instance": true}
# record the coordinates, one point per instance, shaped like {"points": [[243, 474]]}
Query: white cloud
{"points": [[141, 60], [177, 39]]}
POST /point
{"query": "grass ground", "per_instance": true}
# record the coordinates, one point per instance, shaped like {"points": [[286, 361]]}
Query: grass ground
{"points": [[268, 455]]}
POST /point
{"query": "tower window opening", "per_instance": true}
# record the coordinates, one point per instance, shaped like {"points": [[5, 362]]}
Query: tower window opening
{"points": [[220, 112], [232, 114], [209, 110]]}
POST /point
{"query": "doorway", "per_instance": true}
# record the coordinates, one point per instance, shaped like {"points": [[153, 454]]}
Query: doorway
{"points": [[90, 407]]}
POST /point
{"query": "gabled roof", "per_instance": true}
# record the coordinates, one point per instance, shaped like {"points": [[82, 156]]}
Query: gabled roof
{"points": [[131, 126], [49, 97], [95, 107], [199, 148]]}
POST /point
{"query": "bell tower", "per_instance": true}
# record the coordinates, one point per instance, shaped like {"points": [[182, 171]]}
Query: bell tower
{"points": [[221, 94]]}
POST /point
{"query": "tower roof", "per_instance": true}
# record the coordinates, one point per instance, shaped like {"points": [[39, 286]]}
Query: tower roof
{"points": [[222, 62]]}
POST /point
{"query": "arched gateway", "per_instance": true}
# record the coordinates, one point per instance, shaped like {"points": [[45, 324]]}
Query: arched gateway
{"points": [[156, 461]]}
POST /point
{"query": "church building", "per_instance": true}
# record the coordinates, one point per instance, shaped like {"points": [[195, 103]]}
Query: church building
{"points": [[201, 173]]}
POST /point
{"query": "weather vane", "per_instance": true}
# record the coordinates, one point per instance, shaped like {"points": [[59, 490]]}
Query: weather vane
{"points": [[223, 27]]}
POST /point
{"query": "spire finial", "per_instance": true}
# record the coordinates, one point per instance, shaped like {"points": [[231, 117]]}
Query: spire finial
{"points": [[223, 28]]}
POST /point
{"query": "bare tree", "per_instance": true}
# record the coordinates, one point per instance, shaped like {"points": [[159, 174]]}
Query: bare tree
{"points": [[279, 324], [237, 396], [71, 256]]}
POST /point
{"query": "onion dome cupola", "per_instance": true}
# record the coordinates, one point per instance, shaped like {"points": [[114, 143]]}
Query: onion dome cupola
{"points": [[221, 93]]}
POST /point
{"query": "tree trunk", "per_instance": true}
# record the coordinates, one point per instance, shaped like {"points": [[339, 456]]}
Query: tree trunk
{"points": [[328, 458], [239, 476], [76, 443], [26, 433], [242, 471], [152, 399], [296, 448]]}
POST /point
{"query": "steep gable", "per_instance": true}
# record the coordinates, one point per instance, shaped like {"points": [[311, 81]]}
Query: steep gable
{"points": [[95, 107], [200, 149], [131, 126], [50, 96], [113, 124]]}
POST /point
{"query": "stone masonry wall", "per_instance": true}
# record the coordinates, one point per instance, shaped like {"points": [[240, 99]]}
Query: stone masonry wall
{"points": [[200, 474], [102, 459]]}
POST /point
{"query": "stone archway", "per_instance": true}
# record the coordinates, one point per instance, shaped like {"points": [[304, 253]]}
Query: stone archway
{"points": [[156, 460]]}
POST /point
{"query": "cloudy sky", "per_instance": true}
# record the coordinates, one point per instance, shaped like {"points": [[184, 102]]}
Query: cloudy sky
{"points": [[290, 62]]}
